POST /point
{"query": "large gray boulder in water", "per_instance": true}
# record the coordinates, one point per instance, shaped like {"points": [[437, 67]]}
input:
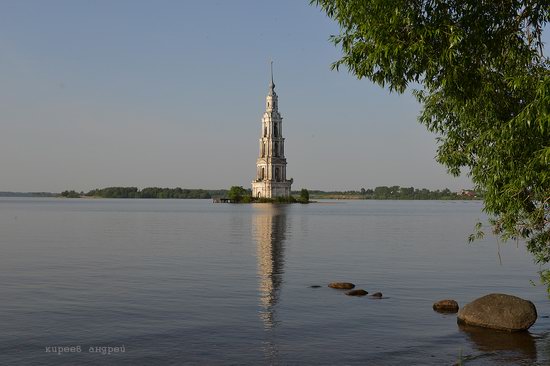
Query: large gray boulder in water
{"points": [[499, 311]]}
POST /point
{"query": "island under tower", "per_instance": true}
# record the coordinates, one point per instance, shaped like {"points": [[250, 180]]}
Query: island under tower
{"points": [[271, 179]]}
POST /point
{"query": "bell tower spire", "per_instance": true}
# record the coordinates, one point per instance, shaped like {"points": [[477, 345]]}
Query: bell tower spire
{"points": [[271, 164], [271, 100], [272, 85]]}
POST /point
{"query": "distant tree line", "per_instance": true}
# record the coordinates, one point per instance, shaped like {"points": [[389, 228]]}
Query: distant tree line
{"points": [[27, 194], [71, 194], [240, 194], [150, 192], [397, 193]]}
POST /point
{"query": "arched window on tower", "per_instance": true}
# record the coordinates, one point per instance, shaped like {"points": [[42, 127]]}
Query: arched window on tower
{"points": [[277, 174], [265, 131], [263, 149], [276, 130], [262, 173], [276, 149]]}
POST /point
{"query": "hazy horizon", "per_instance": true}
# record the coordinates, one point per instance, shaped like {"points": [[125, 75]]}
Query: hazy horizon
{"points": [[171, 94]]}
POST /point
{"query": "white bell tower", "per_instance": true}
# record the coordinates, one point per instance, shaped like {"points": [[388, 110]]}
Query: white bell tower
{"points": [[271, 178]]}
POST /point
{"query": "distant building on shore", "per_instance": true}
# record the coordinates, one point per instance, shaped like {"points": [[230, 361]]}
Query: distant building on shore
{"points": [[271, 178], [467, 193]]}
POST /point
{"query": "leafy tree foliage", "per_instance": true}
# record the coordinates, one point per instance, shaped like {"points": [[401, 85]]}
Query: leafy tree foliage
{"points": [[485, 91], [304, 195], [238, 194]]}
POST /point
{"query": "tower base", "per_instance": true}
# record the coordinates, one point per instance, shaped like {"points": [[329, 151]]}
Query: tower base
{"points": [[271, 189]]}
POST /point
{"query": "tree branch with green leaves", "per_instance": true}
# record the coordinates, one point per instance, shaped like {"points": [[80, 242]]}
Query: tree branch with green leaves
{"points": [[484, 88]]}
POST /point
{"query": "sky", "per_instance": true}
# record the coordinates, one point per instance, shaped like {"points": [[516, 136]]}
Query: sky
{"points": [[171, 94]]}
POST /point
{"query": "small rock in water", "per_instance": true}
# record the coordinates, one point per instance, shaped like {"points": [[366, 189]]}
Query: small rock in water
{"points": [[315, 286], [499, 311], [445, 306], [358, 292], [341, 285], [377, 295]]}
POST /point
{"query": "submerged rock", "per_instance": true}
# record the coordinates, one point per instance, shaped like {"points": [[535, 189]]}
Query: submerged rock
{"points": [[446, 306], [341, 285], [358, 292], [377, 295], [499, 311], [315, 286]]}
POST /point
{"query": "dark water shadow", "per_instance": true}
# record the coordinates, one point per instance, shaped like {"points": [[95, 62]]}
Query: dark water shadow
{"points": [[493, 341]]}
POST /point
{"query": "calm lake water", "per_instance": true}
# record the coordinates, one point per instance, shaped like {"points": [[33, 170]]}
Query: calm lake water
{"points": [[184, 282]]}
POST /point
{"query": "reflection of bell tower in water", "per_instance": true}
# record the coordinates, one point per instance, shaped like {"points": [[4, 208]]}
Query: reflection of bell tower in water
{"points": [[271, 164], [269, 225]]}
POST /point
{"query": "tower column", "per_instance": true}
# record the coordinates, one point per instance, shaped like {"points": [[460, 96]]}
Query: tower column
{"points": [[271, 179]]}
